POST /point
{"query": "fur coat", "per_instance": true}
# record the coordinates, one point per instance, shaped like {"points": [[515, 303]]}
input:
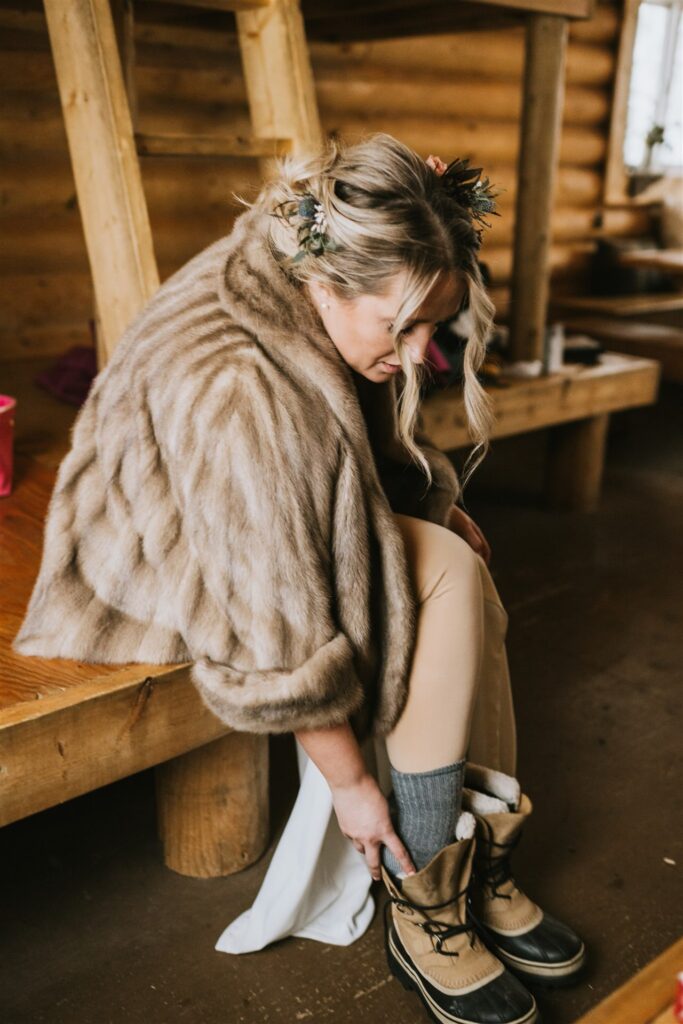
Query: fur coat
{"points": [[227, 501]]}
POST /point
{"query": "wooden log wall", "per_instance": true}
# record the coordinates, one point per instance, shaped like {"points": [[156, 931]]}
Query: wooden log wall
{"points": [[455, 94]]}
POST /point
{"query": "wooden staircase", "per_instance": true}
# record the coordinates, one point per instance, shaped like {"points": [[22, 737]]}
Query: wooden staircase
{"points": [[97, 93]]}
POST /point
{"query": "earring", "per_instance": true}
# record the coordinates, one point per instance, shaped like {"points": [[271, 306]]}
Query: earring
{"points": [[325, 305]]}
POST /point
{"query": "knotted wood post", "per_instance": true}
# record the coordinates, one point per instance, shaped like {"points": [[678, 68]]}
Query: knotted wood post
{"points": [[212, 806]]}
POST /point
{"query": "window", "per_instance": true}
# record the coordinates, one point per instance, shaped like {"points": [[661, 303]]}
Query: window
{"points": [[645, 152], [653, 140]]}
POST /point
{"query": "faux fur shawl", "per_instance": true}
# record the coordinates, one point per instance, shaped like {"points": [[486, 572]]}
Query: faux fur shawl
{"points": [[227, 501]]}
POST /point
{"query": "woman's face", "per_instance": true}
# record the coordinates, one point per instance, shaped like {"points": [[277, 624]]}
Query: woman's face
{"points": [[360, 327]]}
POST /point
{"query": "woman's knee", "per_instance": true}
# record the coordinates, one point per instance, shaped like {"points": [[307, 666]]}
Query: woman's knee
{"points": [[439, 557]]}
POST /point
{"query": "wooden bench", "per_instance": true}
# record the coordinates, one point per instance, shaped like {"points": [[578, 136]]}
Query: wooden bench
{"points": [[647, 998], [575, 403], [67, 727]]}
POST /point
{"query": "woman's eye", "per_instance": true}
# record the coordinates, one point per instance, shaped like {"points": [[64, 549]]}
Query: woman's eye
{"points": [[406, 330]]}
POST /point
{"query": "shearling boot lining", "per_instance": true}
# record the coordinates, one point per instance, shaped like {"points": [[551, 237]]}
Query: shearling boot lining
{"points": [[482, 803], [496, 784], [466, 825]]}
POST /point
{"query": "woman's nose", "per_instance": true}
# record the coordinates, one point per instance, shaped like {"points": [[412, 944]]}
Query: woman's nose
{"points": [[418, 345]]}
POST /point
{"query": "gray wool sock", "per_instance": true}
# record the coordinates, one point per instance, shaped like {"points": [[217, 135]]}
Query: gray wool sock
{"points": [[425, 808]]}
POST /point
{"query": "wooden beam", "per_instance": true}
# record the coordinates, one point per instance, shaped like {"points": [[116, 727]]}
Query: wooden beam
{"points": [[546, 41], [618, 382], [564, 8], [351, 9], [332, 26], [104, 161], [210, 145], [278, 76], [389, 8], [222, 5], [124, 26], [96, 732]]}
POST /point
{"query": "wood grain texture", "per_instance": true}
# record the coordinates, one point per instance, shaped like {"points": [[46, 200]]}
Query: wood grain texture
{"points": [[108, 183], [212, 806], [575, 463], [652, 341], [647, 997], [463, 88], [538, 152], [619, 382], [67, 727]]}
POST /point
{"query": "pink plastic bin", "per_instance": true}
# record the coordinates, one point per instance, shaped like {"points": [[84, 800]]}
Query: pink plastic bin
{"points": [[7, 407]]}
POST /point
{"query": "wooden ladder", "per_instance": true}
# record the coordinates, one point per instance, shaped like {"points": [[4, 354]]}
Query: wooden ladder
{"points": [[95, 75]]}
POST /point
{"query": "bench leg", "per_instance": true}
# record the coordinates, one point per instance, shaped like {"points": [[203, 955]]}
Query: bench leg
{"points": [[576, 458], [212, 806]]}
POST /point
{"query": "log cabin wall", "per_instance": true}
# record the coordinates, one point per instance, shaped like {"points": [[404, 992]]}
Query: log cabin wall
{"points": [[453, 94]]}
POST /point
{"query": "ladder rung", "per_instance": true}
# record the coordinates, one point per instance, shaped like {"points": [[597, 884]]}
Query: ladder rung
{"points": [[210, 145], [224, 5]]}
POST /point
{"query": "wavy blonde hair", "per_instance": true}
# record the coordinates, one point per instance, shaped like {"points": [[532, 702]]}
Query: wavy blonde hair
{"points": [[388, 212]]}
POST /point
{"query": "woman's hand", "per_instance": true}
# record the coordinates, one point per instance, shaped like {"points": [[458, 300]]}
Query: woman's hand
{"points": [[363, 814], [465, 527]]}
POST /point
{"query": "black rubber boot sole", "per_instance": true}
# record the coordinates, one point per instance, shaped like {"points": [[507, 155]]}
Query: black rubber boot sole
{"points": [[560, 977], [409, 977]]}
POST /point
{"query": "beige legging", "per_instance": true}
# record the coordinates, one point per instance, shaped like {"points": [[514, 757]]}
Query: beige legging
{"points": [[460, 702]]}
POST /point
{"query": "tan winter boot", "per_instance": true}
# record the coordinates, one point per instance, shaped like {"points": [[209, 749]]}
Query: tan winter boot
{"points": [[531, 942], [433, 949]]}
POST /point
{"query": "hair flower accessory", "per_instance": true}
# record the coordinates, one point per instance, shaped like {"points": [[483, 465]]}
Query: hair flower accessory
{"points": [[307, 215], [465, 185], [436, 164]]}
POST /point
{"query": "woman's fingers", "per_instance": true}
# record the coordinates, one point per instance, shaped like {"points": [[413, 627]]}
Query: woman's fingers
{"points": [[372, 856], [393, 843]]}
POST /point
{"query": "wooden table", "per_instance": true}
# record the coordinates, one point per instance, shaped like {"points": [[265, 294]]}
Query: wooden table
{"points": [[67, 727]]}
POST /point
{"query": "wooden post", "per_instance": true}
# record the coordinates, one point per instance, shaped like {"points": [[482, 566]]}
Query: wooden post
{"points": [[279, 77], [104, 161], [575, 461], [124, 26], [212, 806], [546, 38]]}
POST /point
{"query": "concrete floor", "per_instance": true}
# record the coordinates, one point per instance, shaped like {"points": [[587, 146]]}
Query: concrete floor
{"points": [[95, 930]]}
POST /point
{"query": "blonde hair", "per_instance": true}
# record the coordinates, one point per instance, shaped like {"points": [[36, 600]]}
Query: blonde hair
{"points": [[387, 212]]}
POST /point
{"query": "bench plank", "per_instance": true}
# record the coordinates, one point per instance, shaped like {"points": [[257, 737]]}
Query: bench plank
{"points": [[646, 998], [618, 382]]}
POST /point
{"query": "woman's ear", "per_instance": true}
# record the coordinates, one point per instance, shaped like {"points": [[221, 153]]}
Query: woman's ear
{"points": [[319, 292]]}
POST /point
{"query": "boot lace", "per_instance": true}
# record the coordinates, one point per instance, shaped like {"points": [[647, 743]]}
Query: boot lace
{"points": [[494, 869], [438, 931]]}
